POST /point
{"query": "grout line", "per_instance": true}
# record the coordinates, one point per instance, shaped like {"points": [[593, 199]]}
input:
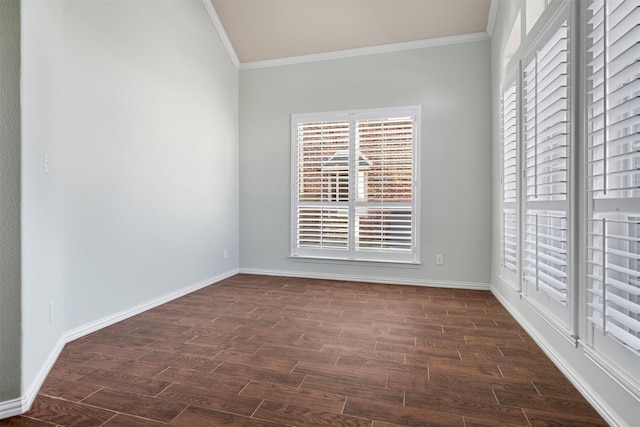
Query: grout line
{"points": [[191, 339], [245, 386], [84, 398], [187, 406], [106, 421], [494, 395], [344, 404], [302, 382], [256, 410], [164, 370], [536, 388], [160, 392], [525, 416]]}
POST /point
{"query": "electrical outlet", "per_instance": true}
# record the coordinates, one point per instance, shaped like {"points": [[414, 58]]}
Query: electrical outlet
{"points": [[439, 259], [225, 253]]}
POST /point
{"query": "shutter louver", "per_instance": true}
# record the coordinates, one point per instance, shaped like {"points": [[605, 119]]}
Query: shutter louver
{"points": [[613, 170]]}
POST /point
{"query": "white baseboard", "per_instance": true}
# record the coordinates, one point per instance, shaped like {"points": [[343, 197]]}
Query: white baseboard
{"points": [[587, 391], [32, 391], [132, 311], [21, 405], [371, 279], [10, 408]]}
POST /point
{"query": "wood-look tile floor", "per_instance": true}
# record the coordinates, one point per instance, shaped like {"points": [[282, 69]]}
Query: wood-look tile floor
{"points": [[276, 351]]}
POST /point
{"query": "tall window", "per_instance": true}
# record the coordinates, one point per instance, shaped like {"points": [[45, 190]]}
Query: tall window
{"points": [[613, 181], [601, 305], [546, 149], [355, 185]]}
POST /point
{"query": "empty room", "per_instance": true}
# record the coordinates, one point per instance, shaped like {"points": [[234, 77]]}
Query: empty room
{"points": [[319, 212]]}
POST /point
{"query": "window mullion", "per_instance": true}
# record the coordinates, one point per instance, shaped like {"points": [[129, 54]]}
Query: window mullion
{"points": [[352, 186]]}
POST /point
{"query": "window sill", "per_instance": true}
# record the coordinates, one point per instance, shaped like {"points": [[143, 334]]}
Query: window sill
{"points": [[360, 262]]}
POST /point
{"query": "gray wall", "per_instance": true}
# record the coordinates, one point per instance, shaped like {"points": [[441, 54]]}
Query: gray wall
{"points": [[452, 85], [602, 391], [136, 105], [10, 324]]}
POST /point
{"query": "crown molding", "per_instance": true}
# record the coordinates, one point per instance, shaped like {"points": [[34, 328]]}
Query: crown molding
{"points": [[372, 50], [493, 14], [221, 33]]}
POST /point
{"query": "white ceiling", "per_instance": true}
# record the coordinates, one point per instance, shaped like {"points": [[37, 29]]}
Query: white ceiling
{"points": [[262, 30]]}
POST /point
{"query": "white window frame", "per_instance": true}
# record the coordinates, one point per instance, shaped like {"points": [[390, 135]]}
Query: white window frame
{"points": [[351, 254]]}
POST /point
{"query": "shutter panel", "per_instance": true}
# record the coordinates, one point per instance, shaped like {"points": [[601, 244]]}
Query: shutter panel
{"points": [[384, 220], [510, 239], [545, 252], [613, 171], [510, 164], [322, 216], [546, 143], [546, 120]]}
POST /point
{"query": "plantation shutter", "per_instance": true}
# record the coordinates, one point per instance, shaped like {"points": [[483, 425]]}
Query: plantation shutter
{"points": [[384, 221], [546, 152], [613, 173], [509, 179], [354, 194], [322, 215]]}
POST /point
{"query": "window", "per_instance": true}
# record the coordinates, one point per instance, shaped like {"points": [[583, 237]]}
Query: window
{"points": [[546, 151], [549, 229], [355, 185], [613, 182]]}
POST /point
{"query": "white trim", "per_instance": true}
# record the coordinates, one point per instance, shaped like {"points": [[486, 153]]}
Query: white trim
{"points": [[493, 14], [21, 405], [32, 390], [132, 311], [363, 51], [350, 253], [10, 408], [586, 390], [604, 363], [226, 42], [370, 279]]}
